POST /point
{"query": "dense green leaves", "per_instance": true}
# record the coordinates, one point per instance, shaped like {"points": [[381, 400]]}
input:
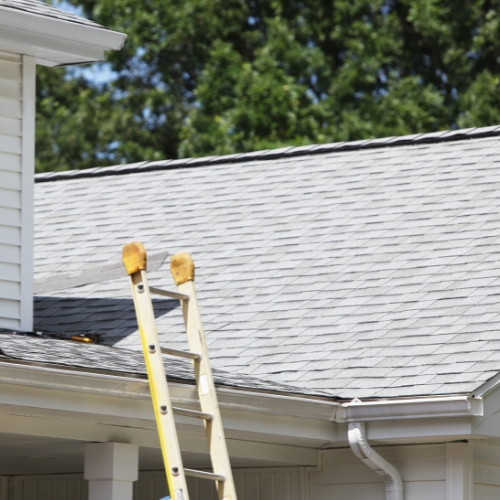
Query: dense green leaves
{"points": [[202, 77]]}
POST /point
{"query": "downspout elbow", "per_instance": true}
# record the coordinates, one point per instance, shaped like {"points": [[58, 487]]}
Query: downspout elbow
{"points": [[361, 448]]}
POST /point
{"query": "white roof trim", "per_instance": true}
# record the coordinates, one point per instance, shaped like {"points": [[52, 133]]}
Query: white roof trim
{"points": [[488, 386], [59, 28], [451, 406], [53, 41], [241, 399]]}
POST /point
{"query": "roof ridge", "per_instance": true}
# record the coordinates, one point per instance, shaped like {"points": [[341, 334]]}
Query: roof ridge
{"points": [[267, 154]]}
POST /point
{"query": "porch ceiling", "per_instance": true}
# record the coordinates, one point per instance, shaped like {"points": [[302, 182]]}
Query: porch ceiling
{"points": [[25, 455]]}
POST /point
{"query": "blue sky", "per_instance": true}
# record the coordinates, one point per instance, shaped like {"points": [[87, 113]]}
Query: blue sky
{"points": [[97, 73]]}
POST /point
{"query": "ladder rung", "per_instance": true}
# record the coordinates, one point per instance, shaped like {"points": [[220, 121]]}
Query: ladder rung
{"points": [[181, 354], [205, 475], [194, 413], [166, 293]]}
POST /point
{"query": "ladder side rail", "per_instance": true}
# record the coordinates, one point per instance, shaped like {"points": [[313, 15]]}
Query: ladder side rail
{"points": [[205, 383], [162, 404]]}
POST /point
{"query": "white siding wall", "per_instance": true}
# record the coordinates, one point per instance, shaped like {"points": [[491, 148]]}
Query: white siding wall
{"points": [[343, 476], [17, 86], [429, 472], [64, 487], [251, 484], [486, 471]]}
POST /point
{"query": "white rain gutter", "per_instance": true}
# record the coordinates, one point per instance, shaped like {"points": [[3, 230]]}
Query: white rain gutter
{"points": [[358, 412], [355, 413], [361, 448], [235, 398], [425, 407], [106, 384]]}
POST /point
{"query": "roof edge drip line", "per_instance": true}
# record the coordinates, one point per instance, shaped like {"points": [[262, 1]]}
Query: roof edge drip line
{"points": [[241, 399], [272, 154]]}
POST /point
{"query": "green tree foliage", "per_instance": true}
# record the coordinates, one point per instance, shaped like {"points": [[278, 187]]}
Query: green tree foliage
{"points": [[202, 77]]}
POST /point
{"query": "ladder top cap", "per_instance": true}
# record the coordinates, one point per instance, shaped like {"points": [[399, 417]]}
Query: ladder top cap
{"points": [[182, 268], [134, 257]]}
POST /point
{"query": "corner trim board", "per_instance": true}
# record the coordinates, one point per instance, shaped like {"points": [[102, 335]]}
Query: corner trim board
{"points": [[27, 193]]}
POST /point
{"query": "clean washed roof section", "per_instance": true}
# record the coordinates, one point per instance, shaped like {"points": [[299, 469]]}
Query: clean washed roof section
{"points": [[361, 271]]}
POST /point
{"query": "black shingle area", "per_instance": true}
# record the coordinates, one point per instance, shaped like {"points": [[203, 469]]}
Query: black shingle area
{"points": [[366, 269]]}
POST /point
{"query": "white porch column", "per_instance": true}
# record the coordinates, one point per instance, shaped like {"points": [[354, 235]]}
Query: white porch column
{"points": [[459, 471], [111, 468]]}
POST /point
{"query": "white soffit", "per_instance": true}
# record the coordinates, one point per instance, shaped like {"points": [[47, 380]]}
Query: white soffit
{"points": [[55, 42]]}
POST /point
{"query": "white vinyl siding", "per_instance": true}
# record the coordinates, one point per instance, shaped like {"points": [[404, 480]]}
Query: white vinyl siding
{"points": [[10, 189], [16, 178], [342, 475], [60, 487], [251, 484], [486, 471]]}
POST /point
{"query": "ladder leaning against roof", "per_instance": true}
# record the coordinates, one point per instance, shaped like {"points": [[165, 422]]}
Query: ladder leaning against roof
{"points": [[182, 268]]}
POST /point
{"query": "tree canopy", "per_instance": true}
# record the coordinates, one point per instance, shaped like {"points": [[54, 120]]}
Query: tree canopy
{"points": [[204, 77]]}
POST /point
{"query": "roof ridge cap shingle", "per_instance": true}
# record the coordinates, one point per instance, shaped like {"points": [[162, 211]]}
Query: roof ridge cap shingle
{"points": [[414, 139]]}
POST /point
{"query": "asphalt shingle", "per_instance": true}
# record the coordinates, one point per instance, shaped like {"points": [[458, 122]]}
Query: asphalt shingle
{"points": [[91, 357], [364, 270]]}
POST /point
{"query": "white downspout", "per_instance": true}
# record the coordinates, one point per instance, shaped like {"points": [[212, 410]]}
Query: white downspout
{"points": [[361, 448]]}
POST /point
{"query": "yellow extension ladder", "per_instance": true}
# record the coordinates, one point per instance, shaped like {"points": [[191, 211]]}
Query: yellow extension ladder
{"points": [[182, 268]]}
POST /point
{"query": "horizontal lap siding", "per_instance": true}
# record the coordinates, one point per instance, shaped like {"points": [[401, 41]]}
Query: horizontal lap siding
{"points": [[341, 476], [64, 487], [486, 471], [422, 468], [10, 189], [252, 484]]}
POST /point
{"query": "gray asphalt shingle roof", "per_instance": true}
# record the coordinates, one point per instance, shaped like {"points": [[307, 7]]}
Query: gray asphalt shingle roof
{"points": [[64, 354], [46, 10], [365, 270]]}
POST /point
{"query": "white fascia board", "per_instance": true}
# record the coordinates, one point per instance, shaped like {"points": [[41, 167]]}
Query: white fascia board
{"points": [[59, 28], [245, 400], [182, 394], [296, 406], [55, 51], [452, 406]]}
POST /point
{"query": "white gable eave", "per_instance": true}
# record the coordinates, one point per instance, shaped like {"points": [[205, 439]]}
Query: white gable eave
{"points": [[55, 42]]}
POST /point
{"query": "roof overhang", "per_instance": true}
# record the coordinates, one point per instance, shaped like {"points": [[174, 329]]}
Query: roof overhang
{"points": [[245, 411], [55, 42], [241, 399]]}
